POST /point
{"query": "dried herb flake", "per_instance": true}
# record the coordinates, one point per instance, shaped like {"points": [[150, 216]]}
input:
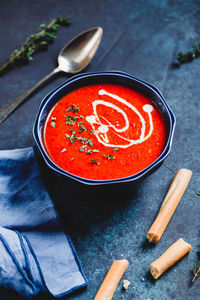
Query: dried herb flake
{"points": [[110, 156], [73, 108], [93, 161], [53, 124]]}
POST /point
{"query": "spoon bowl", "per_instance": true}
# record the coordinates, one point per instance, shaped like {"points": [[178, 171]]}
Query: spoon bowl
{"points": [[72, 59]]}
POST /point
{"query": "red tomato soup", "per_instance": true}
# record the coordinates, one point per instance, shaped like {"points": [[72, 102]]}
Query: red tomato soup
{"points": [[104, 131]]}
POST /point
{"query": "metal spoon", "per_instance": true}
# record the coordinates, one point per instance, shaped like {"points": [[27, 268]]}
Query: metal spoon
{"points": [[72, 59]]}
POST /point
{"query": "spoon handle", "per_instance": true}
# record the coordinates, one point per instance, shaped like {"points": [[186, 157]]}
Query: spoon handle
{"points": [[11, 106]]}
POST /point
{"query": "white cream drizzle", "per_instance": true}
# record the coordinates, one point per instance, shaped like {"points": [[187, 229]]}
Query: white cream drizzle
{"points": [[103, 129]]}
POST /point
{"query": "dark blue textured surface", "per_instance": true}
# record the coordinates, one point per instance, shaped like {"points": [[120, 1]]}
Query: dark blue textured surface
{"points": [[143, 39]]}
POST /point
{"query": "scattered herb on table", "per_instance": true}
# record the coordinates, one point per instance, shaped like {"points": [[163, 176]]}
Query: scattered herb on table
{"points": [[196, 269], [35, 42], [198, 193], [189, 56]]}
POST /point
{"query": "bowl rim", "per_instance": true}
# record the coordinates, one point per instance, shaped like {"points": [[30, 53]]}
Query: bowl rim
{"points": [[48, 98]]}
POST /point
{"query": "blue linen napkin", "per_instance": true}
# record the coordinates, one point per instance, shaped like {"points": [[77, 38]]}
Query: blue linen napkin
{"points": [[35, 254]]}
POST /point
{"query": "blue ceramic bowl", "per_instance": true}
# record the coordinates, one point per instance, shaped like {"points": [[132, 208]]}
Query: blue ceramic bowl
{"points": [[114, 77]]}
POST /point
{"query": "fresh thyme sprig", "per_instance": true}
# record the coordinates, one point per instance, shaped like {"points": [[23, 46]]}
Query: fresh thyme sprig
{"points": [[38, 41], [189, 56], [196, 271], [196, 268]]}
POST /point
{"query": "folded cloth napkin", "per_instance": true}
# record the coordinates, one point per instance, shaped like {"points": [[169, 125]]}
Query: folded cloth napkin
{"points": [[35, 254]]}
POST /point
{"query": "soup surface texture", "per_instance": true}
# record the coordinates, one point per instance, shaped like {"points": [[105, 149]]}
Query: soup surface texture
{"points": [[104, 131]]}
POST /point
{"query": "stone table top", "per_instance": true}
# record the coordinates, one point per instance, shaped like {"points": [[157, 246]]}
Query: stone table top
{"points": [[143, 39]]}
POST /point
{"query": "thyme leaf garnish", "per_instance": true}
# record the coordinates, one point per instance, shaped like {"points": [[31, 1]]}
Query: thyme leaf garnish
{"points": [[92, 151], [63, 150], [89, 151], [73, 108], [83, 148], [92, 132], [83, 140], [53, 124], [115, 149], [83, 128], [70, 120], [110, 156], [89, 142], [93, 161], [72, 138], [35, 42]]}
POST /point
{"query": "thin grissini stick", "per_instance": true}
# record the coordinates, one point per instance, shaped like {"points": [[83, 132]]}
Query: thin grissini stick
{"points": [[112, 279], [174, 253], [169, 205]]}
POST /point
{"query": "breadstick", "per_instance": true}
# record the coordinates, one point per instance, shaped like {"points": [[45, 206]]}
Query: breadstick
{"points": [[169, 205], [112, 279], [175, 252]]}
